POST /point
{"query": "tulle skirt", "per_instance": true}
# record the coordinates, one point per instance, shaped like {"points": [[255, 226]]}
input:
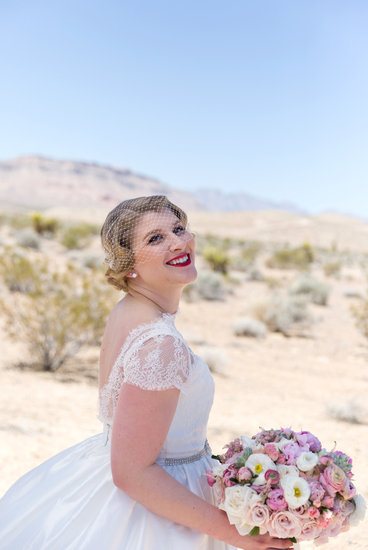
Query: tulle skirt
{"points": [[70, 502]]}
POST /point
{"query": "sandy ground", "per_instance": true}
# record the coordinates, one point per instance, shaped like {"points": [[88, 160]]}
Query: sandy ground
{"points": [[273, 382]]}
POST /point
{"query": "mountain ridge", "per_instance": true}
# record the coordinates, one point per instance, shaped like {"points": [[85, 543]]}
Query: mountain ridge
{"points": [[40, 182]]}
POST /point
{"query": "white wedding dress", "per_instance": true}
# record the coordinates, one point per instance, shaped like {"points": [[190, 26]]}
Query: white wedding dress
{"points": [[70, 501]]}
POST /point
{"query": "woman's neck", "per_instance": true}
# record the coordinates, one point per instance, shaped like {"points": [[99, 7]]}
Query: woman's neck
{"points": [[163, 303]]}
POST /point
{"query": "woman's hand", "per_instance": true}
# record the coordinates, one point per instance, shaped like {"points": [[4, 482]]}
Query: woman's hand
{"points": [[265, 542]]}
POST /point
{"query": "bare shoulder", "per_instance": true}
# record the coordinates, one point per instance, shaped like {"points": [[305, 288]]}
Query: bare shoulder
{"points": [[126, 315]]}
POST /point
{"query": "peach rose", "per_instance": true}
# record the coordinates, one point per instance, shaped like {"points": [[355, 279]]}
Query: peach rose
{"points": [[284, 525], [258, 514], [310, 531]]}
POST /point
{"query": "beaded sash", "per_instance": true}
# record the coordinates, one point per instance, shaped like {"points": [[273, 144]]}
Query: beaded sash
{"points": [[186, 459]]}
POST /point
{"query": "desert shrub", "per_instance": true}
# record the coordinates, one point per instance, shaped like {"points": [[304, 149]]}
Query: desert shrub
{"points": [[18, 220], [352, 293], [360, 313], [28, 238], [246, 256], [58, 314], [316, 291], [254, 274], [78, 235], [292, 258], [273, 282], [43, 225], [215, 359], [217, 258], [208, 286], [247, 326], [332, 268], [348, 411], [281, 313], [18, 272]]}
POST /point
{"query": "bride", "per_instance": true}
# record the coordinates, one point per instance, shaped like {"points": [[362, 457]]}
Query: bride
{"points": [[140, 484]]}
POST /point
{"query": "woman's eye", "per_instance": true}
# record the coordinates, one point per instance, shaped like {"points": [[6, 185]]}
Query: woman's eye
{"points": [[179, 229], [154, 239]]}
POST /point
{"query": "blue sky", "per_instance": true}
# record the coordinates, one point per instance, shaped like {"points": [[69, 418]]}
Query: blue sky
{"points": [[267, 97]]}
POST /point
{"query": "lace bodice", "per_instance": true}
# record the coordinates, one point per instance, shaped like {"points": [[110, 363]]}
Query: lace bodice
{"points": [[156, 357]]}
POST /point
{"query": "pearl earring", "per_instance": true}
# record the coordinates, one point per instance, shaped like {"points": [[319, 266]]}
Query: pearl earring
{"points": [[133, 275]]}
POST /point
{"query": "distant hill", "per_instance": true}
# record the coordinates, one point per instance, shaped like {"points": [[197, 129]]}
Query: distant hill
{"points": [[39, 183], [217, 201]]}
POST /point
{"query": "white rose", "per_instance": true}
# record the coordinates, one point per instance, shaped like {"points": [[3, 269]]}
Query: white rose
{"points": [[259, 464], [307, 461], [237, 499], [219, 469], [360, 508], [285, 470], [296, 490]]}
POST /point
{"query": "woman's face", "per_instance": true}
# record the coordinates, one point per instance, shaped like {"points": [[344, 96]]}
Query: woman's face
{"points": [[163, 250]]}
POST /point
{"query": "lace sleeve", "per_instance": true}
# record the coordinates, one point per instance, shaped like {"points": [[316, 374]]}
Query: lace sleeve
{"points": [[160, 363]]}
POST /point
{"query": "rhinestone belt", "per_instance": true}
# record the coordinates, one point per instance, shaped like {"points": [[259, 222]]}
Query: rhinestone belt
{"points": [[188, 459]]}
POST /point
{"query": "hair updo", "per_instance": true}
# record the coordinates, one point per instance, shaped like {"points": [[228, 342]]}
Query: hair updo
{"points": [[118, 230]]}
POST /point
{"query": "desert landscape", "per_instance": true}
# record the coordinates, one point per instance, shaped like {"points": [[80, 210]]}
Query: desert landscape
{"points": [[273, 365]]}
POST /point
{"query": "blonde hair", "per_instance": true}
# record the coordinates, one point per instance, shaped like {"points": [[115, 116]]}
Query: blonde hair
{"points": [[117, 234]]}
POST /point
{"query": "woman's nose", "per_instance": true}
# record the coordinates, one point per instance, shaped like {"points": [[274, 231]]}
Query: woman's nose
{"points": [[178, 241]]}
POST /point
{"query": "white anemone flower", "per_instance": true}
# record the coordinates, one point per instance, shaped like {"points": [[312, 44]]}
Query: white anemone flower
{"points": [[259, 463], [296, 490], [307, 461]]}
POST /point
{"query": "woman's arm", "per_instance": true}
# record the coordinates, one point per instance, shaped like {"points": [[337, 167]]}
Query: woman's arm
{"points": [[141, 422]]}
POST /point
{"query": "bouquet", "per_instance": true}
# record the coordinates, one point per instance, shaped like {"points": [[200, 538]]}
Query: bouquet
{"points": [[284, 483]]}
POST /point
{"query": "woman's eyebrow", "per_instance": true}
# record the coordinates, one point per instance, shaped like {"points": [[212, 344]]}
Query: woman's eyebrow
{"points": [[151, 232], [159, 230]]}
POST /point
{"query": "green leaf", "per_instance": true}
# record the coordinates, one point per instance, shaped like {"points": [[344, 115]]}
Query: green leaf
{"points": [[293, 539], [254, 532], [216, 457]]}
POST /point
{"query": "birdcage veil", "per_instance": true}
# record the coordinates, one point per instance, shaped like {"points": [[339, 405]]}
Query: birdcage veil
{"points": [[133, 228]]}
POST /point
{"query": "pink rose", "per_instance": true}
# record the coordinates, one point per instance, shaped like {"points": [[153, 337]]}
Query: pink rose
{"points": [[281, 459], [229, 473], [302, 512], [349, 491], [258, 515], [314, 512], [333, 479], [244, 474], [325, 518], [284, 525], [317, 491], [310, 531], [334, 526], [327, 502], [272, 451], [276, 500], [326, 460], [346, 507]]}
